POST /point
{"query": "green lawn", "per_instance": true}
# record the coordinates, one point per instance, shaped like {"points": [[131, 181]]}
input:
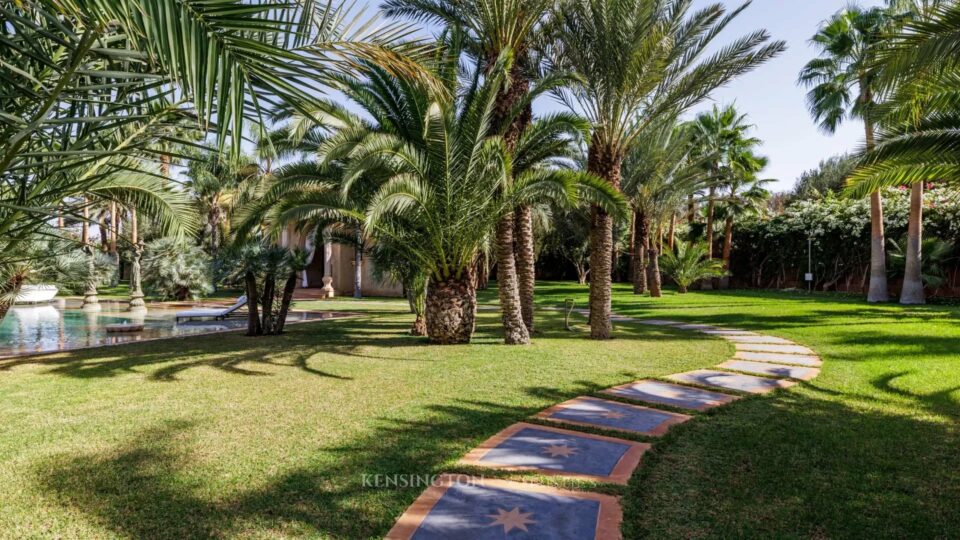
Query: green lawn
{"points": [[228, 436]]}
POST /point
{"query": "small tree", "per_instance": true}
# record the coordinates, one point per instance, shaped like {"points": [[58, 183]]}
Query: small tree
{"points": [[260, 266], [176, 269], [689, 264]]}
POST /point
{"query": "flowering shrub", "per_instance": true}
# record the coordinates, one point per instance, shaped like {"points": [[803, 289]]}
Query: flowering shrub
{"points": [[772, 252]]}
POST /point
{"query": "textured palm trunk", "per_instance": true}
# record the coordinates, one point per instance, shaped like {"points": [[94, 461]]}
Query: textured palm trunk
{"points": [[8, 295], [878, 291], [727, 248], [269, 291], [526, 263], [641, 245], [507, 279], [285, 300], [672, 235], [514, 329], [691, 210], [707, 284], [912, 292], [253, 313], [483, 272], [603, 162], [656, 279], [451, 309]]}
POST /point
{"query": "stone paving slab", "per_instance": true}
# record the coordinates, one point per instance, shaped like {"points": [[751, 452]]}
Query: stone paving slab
{"points": [[658, 322], [674, 395], [782, 349], [729, 332], [560, 452], [773, 370], [466, 508], [602, 413], [767, 340], [796, 359], [731, 381], [700, 327]]}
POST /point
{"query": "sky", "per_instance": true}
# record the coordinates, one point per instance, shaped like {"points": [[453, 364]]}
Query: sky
{"points": [[770, 96]]}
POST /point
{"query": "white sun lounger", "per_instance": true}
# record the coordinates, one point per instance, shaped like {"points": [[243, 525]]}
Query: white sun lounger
{"points": [[216, 314]]}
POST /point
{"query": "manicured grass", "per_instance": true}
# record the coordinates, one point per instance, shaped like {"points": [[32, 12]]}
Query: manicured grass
{"points": [[229, 436], [869, 449]]}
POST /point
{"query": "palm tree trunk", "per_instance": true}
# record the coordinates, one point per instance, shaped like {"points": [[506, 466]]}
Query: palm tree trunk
{"points": [[254, 327], [603, 162], [912, 292], [691, 209], [507, 279], [707, 284], [879, 291], [269, 291], [514, 330], [641, 245], [526, 263], [483, 273], [358, 266], [90, 300], [727, 247], [285, 301], [656, 280], [451, 309], [672, 235]]}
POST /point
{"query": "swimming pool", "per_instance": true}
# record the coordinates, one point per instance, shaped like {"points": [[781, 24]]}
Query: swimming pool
{"points": [[62, 325]]}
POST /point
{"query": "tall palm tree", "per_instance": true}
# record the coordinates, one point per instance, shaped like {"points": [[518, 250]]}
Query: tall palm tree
{"points": [[919, 76], [494, 27], [660, 171], [843, 84], [721, 135], [639, 62], [744, 195]]}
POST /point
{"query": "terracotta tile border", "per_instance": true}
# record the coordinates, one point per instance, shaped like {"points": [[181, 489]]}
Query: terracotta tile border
{"points": [[608, 519], [675, 418], [620, 475]]}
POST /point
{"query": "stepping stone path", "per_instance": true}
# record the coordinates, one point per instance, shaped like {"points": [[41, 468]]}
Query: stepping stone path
{"points": [[466, 507]]}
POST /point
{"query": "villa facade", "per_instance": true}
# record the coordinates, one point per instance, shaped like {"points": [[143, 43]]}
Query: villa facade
{"points": [[331, 268]]}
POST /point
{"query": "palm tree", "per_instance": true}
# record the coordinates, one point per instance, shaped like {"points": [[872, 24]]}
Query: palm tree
{"points": [[639, 62], [659, 173], [919, 76], [722, 135], [689, 263], [494, 27], [843, 82], [448, 185], [744, 196], [89, 92]]}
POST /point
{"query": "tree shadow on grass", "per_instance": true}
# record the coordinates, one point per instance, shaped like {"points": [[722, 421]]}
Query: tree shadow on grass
{"points": [[148, 488], [799, 467]]}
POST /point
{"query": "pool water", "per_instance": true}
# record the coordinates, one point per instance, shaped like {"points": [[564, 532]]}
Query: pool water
{"points": [[61, 325]]}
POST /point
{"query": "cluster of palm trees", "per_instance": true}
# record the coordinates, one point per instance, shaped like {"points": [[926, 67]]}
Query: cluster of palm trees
{"points": [[894, 68], [444, 168]]}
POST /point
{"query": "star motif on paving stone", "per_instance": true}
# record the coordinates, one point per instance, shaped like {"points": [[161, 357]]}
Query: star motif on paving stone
{"points": [[559, 450], [514, 519]]}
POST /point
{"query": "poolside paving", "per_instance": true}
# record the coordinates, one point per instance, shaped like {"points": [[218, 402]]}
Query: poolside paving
{"points": [[460, 507], [674, 395], [797, 359], [731, 381], [772, 370], [559, 452], [602, 413], [481, 509]]}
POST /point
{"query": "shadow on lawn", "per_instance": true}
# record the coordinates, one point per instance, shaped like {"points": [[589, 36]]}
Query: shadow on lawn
{"points": [[148, 487], [786, 465], [797, 466]]}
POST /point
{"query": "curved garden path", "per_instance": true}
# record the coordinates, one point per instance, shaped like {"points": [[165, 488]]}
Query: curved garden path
{"points": [[464, 507]]}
